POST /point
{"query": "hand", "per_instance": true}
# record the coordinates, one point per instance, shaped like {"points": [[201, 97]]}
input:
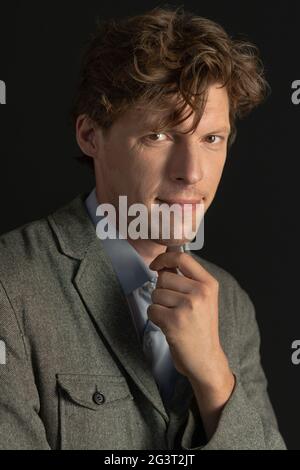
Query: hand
{"points": [[185, 307]]}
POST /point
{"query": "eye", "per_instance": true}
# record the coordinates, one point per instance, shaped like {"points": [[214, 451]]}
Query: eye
{"points": [[212, 139], [154, 137]]}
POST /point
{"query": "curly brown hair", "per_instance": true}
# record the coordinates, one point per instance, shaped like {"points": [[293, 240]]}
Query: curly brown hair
{"points": [[149, 58]]}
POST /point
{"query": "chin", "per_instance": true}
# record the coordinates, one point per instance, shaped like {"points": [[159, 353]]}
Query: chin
{"points": [[172, 241]]}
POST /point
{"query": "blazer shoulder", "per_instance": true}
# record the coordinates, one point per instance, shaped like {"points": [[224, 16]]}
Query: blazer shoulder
{"points": [[224, 277], [23, 244], [35, 249], [231, 291], [233, 295], [19, 238], [39, 237]]}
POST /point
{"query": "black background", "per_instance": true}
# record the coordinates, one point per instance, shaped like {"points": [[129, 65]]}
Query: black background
{"points": [[251, 229]]}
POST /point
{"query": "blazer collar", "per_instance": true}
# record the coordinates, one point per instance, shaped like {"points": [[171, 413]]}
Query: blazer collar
{"points": [[129, 266]]}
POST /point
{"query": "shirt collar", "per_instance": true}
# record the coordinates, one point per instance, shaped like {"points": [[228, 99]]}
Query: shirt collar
{"points": [[129, 266]]}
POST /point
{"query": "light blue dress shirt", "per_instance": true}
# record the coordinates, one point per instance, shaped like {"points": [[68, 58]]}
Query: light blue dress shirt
{"points": [[132, 273]]}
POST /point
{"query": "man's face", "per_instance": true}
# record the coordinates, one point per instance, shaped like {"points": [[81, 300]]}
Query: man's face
{"points": [[149, 167]]}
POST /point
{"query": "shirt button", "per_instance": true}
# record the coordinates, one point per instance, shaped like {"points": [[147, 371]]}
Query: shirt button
{"points": [[98, 398]]}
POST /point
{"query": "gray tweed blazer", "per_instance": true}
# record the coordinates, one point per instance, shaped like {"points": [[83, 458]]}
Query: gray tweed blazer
{"points": [[75, 376]]}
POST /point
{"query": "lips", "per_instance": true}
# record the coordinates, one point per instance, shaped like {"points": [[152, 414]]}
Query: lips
{"points": [[181, 202]]}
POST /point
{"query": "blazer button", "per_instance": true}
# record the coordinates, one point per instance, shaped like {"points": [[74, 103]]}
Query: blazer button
{"points": [[98, 398]]}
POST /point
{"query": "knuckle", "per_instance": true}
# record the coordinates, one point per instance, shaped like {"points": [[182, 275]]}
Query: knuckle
{"points": [[197, 290], [215, 284], [180, 320], [187, 302], [206, 291]]}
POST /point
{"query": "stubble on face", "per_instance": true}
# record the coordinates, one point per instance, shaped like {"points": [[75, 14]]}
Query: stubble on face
{"points": [[128, 164]]}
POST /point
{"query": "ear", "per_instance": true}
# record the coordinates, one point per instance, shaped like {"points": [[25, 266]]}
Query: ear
{"points": [[86, 135]]}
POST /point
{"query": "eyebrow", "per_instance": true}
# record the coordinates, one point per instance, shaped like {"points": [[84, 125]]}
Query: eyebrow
{"points": [[150, 127], [221, 129], [149, 123]]}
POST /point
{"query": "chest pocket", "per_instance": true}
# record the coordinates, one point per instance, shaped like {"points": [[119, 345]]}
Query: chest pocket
{"points": [[95, 412]]}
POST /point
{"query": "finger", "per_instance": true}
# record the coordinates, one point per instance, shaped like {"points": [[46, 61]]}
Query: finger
{"points": [[184, 262], [166, 297], [169, 250], [176, 282], [158, 314], [170, 270]]}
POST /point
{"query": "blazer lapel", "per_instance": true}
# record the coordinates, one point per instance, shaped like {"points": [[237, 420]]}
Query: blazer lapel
{"points": [[102, 294]]}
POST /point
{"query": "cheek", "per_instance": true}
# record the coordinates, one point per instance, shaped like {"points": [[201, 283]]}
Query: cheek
{"points": [[217, 167], [147, 169], [136, 172], [212, 178], [119, 163]]}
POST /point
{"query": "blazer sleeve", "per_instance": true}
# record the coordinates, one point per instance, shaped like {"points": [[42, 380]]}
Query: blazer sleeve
{"points": [[247, 421], [21, 427]]}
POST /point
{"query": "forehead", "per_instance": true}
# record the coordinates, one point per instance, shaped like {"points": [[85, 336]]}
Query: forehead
{"points": [[216, 112]]}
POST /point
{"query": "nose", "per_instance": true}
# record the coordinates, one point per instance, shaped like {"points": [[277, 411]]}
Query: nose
{"points": [[186, 164]]}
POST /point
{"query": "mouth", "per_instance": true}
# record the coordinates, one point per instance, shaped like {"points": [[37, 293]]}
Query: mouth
{"points": [[184, 203]]}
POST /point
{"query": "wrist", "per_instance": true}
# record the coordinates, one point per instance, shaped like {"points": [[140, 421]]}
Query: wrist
{"points": [[216, 383]]}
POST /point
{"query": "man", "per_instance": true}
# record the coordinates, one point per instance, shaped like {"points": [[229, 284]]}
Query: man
{"points": [[138, 343]]}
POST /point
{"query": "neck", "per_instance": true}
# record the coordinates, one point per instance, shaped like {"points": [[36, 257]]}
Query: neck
{"points": [[147, 249]]}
